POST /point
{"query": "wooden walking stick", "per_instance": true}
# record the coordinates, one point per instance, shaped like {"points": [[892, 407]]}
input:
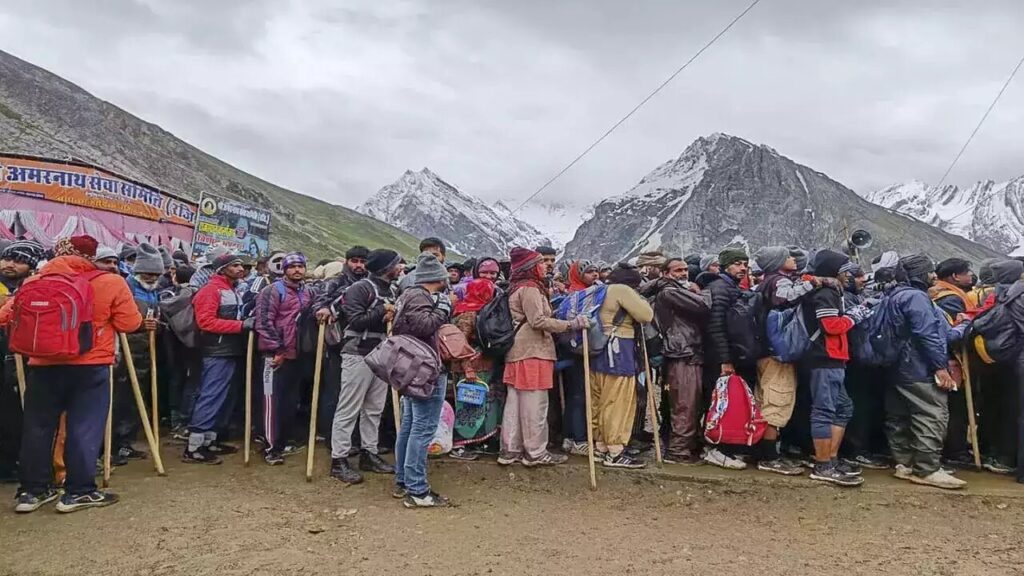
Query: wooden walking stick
{"points": [[108, 434], [248, 398], [19, 368], [590, 411], [972, 424], [316, 401], [396, 405], [152, 382], [651, 408], [141, 404]]}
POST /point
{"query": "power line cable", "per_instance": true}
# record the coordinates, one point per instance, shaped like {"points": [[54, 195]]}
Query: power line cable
{"points": [[638, 106]]}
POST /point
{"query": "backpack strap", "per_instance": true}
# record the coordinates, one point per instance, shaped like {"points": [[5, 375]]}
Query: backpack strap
{"points": [[279, 285]]}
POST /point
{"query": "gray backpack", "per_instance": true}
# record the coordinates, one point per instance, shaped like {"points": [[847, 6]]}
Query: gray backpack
{"points": [[181, 318], [408, 364]]}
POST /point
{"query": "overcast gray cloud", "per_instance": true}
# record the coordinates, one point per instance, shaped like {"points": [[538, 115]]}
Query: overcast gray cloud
{"points": [[336, 101]]}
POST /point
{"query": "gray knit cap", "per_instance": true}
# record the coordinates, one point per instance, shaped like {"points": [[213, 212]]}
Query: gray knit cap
{"points": [[771, 258], [429, 269], [148, 260]]}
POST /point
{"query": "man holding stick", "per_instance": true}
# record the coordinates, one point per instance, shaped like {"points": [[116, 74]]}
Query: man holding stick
{"points": [[77, 385]]}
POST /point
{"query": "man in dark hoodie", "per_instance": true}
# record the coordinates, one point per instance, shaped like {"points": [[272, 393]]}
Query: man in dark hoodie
{"points": [[368, 308], [1015, 304]]}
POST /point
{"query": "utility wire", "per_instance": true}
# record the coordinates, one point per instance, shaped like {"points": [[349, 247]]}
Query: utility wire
{"points": [[638, 106]]}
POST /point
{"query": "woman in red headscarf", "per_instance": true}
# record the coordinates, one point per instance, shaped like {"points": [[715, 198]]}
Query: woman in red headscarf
{"points": [[475, 423]]}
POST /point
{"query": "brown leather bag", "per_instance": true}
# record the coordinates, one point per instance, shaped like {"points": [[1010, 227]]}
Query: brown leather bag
{"points": [[452, 346]]}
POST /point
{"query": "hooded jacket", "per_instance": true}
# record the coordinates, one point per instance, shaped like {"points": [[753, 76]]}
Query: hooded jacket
{"points": [[277, 313], [725, 291], [363, 308], [924, 348], [113, 310], [681, 317], [217, 309], [335, 286]]}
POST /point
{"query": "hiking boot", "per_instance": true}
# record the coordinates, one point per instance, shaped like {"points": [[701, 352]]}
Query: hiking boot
{"points": [[623, 460], [903, 472], [780, 466], [131, 453], [292, 450], [273, 458], [994, 466], [548, 459], [341, 470], [509, 458], [94, 499], [718, 458], [868, 461], [428, 500], [370, 462], [399, 492], [460, 453], [201, 456], [849, 469], [27, 502], [939, 479], [828, 472], [221, 449]]}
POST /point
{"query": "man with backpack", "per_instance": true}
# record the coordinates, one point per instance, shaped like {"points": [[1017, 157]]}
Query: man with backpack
{"points": [[916, 403], [278, 308], [222, 345], [67, 376], [368, 309]]}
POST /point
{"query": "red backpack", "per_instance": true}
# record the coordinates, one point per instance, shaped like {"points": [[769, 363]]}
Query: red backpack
{"points": [[734, 417], [52, 316]]}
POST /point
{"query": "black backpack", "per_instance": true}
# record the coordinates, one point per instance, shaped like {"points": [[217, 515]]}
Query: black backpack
{"points": [[745, 328], [495, 330], [998, 332]]}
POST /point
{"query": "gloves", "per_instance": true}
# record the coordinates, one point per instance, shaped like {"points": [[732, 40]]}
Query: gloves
{"points": [[248, 324], [859, 314], [580, 322]]}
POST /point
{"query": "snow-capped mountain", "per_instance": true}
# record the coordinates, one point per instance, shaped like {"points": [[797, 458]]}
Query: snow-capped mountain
{"points": [[557, 220], [989, 213], [423, 204], [724, 190]]}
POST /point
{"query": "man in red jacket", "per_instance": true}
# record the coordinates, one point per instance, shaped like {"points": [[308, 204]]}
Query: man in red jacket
{"points": [[218, 310]]}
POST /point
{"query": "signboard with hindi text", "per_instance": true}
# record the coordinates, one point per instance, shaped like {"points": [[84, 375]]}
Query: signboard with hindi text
{"points": [[241, 227], [83, 185]]}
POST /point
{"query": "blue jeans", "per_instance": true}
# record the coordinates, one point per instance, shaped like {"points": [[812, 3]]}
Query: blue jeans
{"points": [[419, 423], [218, 373], [574, 417], [84, 393], [830, 405]]}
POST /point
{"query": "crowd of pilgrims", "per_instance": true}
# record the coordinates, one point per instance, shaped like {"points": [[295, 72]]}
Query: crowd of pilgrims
{"points": [[825, 414]]}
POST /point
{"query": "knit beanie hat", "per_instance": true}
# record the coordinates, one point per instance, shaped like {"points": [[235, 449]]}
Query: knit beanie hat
{"points": [[148, 260], [653, 258], [826, 263], [852, 268], [706, 261], [627, 274], [985, 274], [886, 260], [730, 256], [127, 252], [357, 252], [381, 260], [26, 251], [429, 269], [104, 252], [220, 262], [293, 259], [800, 255], [524, 258], [165, 257], [917, 265], [84, 246], [488, 265], [771, 258]]}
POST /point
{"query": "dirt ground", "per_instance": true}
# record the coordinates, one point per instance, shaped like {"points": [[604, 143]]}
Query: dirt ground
{"points": [[229, 520]]}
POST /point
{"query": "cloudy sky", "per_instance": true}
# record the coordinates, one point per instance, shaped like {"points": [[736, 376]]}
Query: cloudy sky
{"points": [[336, 99]]}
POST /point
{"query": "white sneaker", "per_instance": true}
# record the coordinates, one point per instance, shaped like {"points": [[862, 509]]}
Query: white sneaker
{"points": [[578, 449], [903, 472], [716, 457], [939, 479]]}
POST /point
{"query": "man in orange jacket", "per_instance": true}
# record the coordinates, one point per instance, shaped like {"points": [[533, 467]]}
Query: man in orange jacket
{"points": [[78, 387]]}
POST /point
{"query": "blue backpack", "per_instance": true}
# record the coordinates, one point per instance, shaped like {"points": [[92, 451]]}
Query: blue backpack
{"points": [[586, 302], [877, 340], [786, 331]]}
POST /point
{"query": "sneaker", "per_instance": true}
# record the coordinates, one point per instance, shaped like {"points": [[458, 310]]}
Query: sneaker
{"points": [[671, 458], [576, 448], [384, 450], [428, 500], [370, 462], [273, 458], [221, 449], [867, 461], [131, 453], [399, 492], [94, 499], [780, 466], [180, 434], [830, 473], [292, 450], [623, 460], [342, 470], [460, 453], [903, 472], [548, 459], [201, 456], [260, 440], [116, 459], [994, 466], [27, 502], [848, 468], [939, 479], [716, 457], [509, 458]]}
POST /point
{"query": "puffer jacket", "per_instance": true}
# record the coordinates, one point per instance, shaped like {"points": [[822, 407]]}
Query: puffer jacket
{"points": [[363, 307], [217, 308], [681, 316], [277, 312], [724, 293], [419, 314], [335, 286], [923, 350], [1015, 305]]}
